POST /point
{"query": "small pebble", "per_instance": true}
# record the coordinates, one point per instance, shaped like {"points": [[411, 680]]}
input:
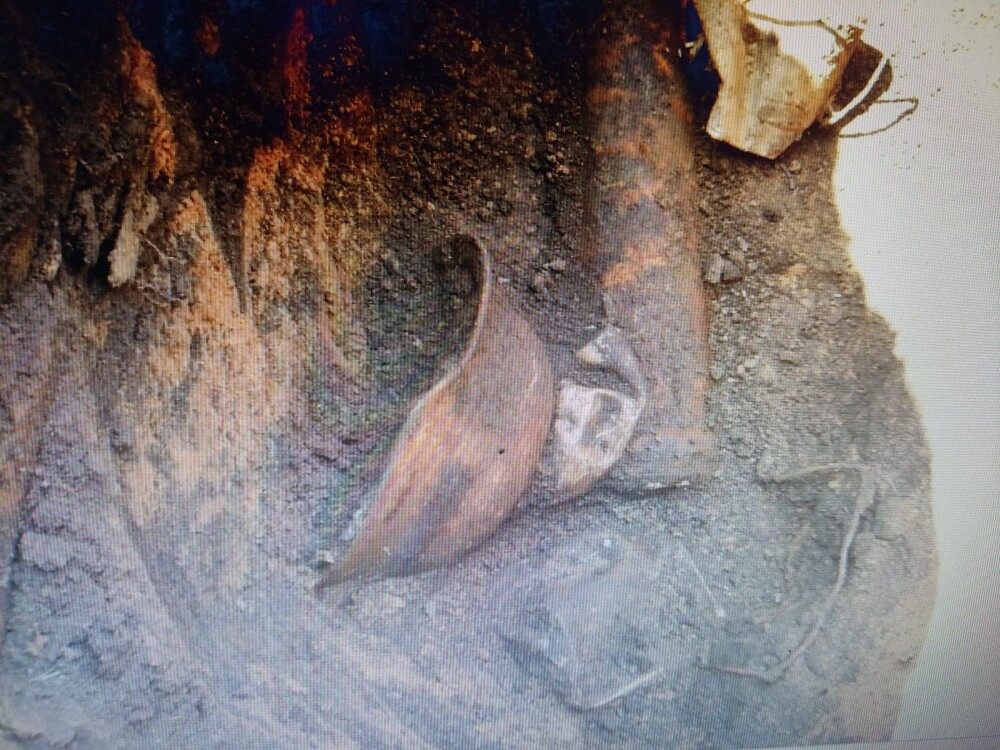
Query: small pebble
{"points": [[557, 266], [790, 356], [730, 271], [713, 269], [539, 283]]}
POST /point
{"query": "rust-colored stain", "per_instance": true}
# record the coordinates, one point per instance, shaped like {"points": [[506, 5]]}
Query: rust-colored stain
{"points": [[207, 37], [663, 65], [140, 79], [643, 217], [604, 95], [467, 451], [295, 67], [639, 260]]}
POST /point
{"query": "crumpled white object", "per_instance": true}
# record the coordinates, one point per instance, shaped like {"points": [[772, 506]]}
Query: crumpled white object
{"points": [[593, 426], [780, 65]]}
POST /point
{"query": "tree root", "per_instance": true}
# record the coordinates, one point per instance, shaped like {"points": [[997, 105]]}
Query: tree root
{"points": [[864, 500], [626, 689]]}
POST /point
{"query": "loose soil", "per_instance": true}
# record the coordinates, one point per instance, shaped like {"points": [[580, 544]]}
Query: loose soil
{"points": [[185, 452]]}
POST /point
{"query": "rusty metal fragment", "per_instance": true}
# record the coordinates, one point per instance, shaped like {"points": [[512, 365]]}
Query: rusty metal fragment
{"points": [[467, 450], [644, 239]]}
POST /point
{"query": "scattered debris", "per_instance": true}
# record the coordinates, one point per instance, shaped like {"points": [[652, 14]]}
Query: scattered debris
{"points": [[539, 283], [556, 266], [140, 212], [778, 75], [719, 270], [166, 632], [579, 624], [592, 428], [37, 645], [713, 269], [594, 425]]}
